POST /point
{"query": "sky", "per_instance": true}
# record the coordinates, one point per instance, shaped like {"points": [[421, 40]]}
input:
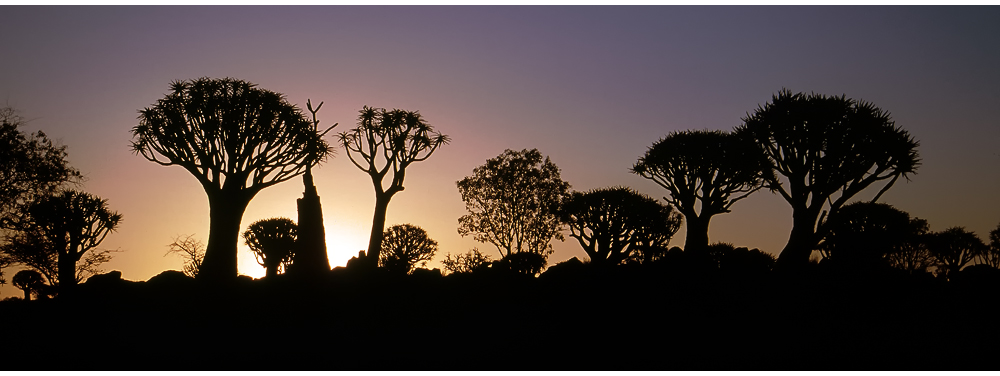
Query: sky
{"points": [[591, 87]]}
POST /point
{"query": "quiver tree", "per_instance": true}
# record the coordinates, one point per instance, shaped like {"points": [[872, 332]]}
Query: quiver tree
{"points": [[706, 170], [272, 242], [403, 246], [59, 231], [383, 145], [828, 149], [236, 139], [953, 249], [991, 253], [613, 223], [513, 202], [31, 166], [28, 281]]}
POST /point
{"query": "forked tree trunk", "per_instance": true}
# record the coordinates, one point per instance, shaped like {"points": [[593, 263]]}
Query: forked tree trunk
{"points": [[226, 211]]}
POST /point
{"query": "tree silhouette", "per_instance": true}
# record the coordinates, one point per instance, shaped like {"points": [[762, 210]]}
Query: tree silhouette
{"points": [[383, 145], [706, 170], [913, 255], [27, 280], [32, 166], [990, 255], [193, 252], [612, 223], [953, 249], [465, 262], [236, 139], [513, 202], [868, 234], [403, 246], [828, 149], [59, 231], [272, 242]]}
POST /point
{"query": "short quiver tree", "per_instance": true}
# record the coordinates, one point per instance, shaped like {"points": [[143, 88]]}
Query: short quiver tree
{"points": [[613, 223], [236, 139], [28, 281], [272, 242], [404, 246], [705, 172]]}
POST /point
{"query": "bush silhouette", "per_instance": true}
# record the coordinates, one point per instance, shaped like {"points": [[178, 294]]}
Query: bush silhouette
{"points": [[404, 246], [28, 281]]}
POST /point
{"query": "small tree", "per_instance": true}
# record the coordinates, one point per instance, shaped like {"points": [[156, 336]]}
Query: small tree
{"points": [[954, 248], [31, 166], [613, 223], [991, 254], [913, 255], [513, 202], [236, 139], [867, 234], [383, 145], [191, 250], [704, 170], [59, 231], [828, 149], [403, 246], [28, 281], [465, 262], [272, 242]]}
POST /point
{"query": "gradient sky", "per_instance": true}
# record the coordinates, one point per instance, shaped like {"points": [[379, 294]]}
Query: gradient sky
{"points": [[589, 86]]}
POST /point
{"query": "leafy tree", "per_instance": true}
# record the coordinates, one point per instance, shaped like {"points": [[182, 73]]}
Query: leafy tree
{"points": [[193, 252], [272, 242], [59, 231], [913, 255], [706, 170], [236, 139], [869, 234], [513, 202], [828, 149], [404, 246], [612, 223], [465, 262], [953, 249], [991, 254], [383, 145], [27, 280], [32, 166]]}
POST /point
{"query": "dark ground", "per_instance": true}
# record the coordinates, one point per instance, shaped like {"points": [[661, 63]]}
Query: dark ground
{"points": [[567, 319]]}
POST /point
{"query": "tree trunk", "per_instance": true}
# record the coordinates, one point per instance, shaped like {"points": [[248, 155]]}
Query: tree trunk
{"points": [[226, 211], [272, 270], [378, 225], [801, 241], [27, 294], [697, 232], [67, 271]]}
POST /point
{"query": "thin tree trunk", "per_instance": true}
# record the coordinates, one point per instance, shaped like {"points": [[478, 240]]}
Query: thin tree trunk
{"points": [[226, 211], [378, 226]]}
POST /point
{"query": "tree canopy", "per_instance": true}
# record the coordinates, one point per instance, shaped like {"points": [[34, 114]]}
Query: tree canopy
{"points": [[872, 234], [236, 139], [383, 145], [513, 202], [827, 149], [272, 242], [613, 223], [706, 170], [404, 246]]}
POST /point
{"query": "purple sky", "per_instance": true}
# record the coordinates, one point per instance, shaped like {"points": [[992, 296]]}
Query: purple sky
{"points": [[590, 86]]}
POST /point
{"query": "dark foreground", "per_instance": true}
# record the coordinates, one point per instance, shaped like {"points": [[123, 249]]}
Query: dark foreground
{"points": [[628, 319]]}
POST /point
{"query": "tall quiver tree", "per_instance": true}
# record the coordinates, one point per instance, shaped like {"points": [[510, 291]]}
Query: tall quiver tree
{"points": [[310, 255], [706, 170], [383, 145], [236, 139], [828, 149]]}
